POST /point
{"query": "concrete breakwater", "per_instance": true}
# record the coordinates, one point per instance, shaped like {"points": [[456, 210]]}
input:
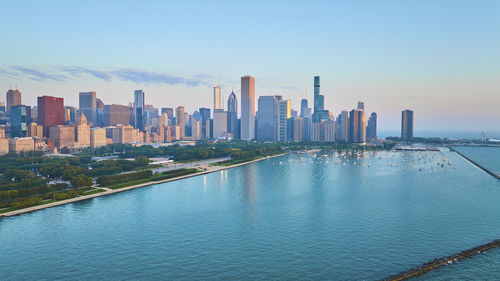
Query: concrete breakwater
{"points": [[497, 176], [428, 266]]}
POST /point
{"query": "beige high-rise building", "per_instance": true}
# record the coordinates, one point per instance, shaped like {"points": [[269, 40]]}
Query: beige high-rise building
{"points": [[247, 108], [115, 114], [40, 145], [17, 145], [82, 132], [4, 146], [175, 132], [357, 124], [167, 134], [2, 132], [179, 121], [13, 98], [35, 130], [63, 136], [97, 137], [124, 134], [196, 127], [220, 124], [217, 98]]}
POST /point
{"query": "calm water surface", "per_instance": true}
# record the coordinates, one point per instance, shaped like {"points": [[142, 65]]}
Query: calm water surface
{"points": [[488, 157], [293, 217]]}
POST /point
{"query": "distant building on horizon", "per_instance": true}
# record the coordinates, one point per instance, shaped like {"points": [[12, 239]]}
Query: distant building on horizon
{"points": [[247, 108], [361, 105], [406, 125]]}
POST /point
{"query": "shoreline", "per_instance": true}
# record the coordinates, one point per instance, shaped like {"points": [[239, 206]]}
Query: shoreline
{"points": [[108, 191]]}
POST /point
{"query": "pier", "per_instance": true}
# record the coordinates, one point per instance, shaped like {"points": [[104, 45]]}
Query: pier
{"points": [[497, 176], [428, 266]]}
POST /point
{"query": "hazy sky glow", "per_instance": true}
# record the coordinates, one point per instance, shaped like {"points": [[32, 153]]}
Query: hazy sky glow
{"points": [[439, 58]]}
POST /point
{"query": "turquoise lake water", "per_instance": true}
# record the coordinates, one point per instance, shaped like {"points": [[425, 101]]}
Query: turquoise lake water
{"points": [[488, 157], [333, 216]]}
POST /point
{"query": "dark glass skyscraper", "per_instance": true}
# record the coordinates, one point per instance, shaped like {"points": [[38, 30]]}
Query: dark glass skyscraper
{"points": [[19, 119], [407, 125], [139, 109], [205, 116], [303, 107], [88, 106], [267, 118], [371, 128], [232, 116], [319, 103]]}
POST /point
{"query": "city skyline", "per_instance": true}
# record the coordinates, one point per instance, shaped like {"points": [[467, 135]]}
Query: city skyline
{"points": [[393, 56]]}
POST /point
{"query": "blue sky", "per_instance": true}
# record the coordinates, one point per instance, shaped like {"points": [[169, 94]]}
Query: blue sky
{"points": [[440, 58]]}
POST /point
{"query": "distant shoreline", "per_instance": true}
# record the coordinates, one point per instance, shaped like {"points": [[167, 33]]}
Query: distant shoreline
{"points": [[210, 169]]}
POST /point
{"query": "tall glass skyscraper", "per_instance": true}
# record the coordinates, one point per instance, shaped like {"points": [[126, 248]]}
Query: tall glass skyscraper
{"points": [[303, 107], [357, 126], [371, 128], [139, 109], [319, 102], [267, 118], [88, 106], [232, 116], [19, 120], [284, 115]]}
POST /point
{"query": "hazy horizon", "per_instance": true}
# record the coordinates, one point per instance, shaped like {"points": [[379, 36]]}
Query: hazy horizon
{"points": [[438, 58]]}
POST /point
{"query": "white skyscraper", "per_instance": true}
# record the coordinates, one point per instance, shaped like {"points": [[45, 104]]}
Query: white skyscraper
{"points": [[247, 107], [217, 98]]}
